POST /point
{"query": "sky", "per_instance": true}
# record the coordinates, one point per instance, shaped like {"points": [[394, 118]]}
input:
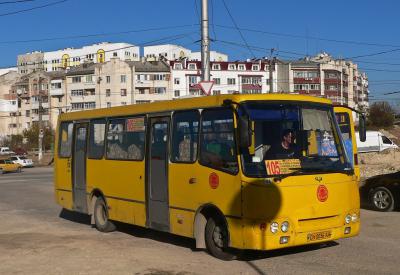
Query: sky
{"points": [[366, 32]]}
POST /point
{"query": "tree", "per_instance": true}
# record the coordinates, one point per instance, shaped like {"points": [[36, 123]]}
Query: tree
{"points": [[32, 136], [381, 114], [13, 141]]}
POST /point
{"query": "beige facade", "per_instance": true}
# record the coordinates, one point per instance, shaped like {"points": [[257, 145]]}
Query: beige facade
{"points": [[7, 104]]}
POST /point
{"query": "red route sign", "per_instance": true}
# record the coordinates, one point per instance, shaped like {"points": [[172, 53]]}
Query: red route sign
{"points": [[206, 86]]}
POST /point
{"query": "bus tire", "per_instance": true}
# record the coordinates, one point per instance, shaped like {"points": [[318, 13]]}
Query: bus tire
{"points": [[103, 224], [216, 238], [382, 199]]}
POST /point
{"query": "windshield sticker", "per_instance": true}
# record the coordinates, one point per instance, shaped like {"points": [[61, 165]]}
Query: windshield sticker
{"points": [[281, 166], [135, 124]]}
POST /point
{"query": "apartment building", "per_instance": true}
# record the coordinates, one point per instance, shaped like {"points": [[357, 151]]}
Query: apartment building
{"points": [[323, 76], [71, 57], [7, 104], [174, 52], [248, 77]]}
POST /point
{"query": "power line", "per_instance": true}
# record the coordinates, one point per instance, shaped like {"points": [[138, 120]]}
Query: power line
{"points": [[311, 37], [14, 2], [33, 8], [212, 19], [237, 28], [97, 34], [373, 54]]}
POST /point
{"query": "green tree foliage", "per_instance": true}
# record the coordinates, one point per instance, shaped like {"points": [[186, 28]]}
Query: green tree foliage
{"points": [[381, 114], [32, 137]]}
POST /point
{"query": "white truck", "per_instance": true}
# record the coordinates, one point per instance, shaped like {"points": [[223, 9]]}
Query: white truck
{"points": [[6, 151], [375, 142]]}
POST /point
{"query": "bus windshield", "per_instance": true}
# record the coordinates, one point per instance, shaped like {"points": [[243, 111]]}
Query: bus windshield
{"points": [[291, 139]]}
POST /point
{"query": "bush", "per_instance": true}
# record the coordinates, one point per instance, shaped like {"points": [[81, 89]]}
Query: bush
{"points": [[381, 114], [32, 137]]}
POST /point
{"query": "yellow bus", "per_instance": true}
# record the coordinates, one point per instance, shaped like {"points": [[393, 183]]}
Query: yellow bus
{"points": [[259, 172]]}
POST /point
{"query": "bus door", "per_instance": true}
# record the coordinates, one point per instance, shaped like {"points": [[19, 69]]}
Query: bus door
{"points": [[157, 174], [79, 167]]}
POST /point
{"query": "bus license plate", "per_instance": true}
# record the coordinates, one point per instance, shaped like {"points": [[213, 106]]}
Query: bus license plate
{"points": [[317, 236]]}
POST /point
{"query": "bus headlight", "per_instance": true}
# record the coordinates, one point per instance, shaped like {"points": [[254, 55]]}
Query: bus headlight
{"points": [[347, 219], [274, 227], [354, 217], [285, 226]]}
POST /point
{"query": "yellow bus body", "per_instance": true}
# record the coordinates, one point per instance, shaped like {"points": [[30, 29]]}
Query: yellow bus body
{"points": [[249, 205]]}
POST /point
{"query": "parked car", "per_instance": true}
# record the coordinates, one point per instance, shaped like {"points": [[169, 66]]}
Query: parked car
{"points": [[375, 142], [6, 151], [7, 165], [24, 161], [383, 192]]}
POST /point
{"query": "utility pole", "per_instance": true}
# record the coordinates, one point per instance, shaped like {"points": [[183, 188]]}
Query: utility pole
{"points": [[270, 69], [205, 42], [40, 155]]}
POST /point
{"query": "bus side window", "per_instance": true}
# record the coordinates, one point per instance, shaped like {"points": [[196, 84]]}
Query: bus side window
{"points": [[125, 139], [65, 139], [217, 143], [96, 141], [185, 136]]}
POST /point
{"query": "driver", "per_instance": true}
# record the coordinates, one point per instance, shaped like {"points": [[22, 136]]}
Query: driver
{"points": [[285, 149]]}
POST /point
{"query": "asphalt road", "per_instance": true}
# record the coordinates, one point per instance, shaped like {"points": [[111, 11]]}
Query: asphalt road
{"points": [[37, 237]]}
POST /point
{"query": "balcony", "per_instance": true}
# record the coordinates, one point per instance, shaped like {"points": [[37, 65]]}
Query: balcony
{"points": [[35, 117], [35, 105], [312, 80], [56, 92]]}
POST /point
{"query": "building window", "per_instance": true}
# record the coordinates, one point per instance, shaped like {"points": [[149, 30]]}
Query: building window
{"points": [[89, 78], [123, 103], [192, 79], [108, 79], [177, 66], [177, 81], [159, 77], [231, 67], [108, 92], [216, 67], [160, 90], [56, 85], [123, 78], [77, 106], [301, 87], [217, 81], [216, 92], [27, 113], [192, 66], [76, 92], [314, 87], [76, 79], [123, 92], [177, 93], [108, 104], [255, 67], [89, 105], [241, 67], [231, 81]]}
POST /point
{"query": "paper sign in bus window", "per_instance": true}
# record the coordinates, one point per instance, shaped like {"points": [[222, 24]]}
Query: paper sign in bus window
{"points": [[281, 166], [135, 124]]}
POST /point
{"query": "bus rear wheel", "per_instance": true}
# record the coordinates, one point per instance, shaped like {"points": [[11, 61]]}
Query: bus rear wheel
{"points": [[216, 237], [101, 219]]}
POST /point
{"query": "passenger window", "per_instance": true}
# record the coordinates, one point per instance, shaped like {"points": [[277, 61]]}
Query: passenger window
{"points": [[385, 140], [125, 139], [65, 139], [185, 136], [217, 143], [96, 140]]}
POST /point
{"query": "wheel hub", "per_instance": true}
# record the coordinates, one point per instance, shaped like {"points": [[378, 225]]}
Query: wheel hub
{"points": [[381, 199]]}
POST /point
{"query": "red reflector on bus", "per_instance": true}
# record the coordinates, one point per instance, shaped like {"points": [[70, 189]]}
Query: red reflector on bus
{"points": [[213, 180]]}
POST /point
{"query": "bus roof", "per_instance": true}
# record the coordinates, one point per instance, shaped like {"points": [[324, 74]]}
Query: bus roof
{"points": [[186, 103]]}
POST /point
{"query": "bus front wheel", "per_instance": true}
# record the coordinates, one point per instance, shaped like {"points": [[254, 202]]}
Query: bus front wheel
{"points": [[101, 219], [216, 237]]}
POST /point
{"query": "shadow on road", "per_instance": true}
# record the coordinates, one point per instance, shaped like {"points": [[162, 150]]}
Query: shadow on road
{"points": [[75, 216], [252, 255]]}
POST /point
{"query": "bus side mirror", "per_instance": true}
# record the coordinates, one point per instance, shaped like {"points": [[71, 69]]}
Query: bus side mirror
{"points": [[244, 132], [362, 129]]}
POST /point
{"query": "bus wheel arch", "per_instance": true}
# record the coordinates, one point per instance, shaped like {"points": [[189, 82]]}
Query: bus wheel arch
{"points": [[203, 214], [99, 211]]}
